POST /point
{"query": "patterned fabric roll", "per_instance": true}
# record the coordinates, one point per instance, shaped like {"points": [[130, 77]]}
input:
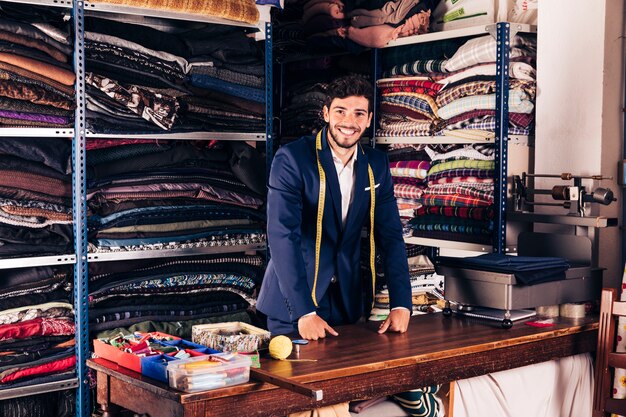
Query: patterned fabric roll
{"points": [[239, 10]]}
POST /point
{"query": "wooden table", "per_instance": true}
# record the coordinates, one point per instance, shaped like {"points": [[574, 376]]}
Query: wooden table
{"points": [[358, 364]]}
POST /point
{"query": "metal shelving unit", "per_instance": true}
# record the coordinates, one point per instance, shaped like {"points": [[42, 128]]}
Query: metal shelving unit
{"points": [[79, 133], [502, 32]]}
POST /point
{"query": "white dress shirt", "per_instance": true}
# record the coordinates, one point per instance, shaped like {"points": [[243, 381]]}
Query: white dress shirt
{"points": [[346, 176]]}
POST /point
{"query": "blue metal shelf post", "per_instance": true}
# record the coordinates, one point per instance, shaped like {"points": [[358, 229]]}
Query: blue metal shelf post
{"points": [[269, 96], [502, 135], [79, 215]]}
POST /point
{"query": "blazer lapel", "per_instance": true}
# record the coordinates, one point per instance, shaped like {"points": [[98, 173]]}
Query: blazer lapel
{"points": [[361, 196], [326, 159]]}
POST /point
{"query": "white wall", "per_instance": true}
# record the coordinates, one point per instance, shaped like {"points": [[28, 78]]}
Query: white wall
{"points": [[580, 72]]}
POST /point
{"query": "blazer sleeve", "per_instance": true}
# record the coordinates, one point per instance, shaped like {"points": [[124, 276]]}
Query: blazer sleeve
{"points": [[388, 232], [284, 208]]}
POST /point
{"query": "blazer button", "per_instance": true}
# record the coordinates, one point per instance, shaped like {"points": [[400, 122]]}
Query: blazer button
{"points": [[333, 279]]}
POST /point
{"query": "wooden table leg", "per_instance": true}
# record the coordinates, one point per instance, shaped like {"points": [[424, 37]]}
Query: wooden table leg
{"points": [[103, 396]]}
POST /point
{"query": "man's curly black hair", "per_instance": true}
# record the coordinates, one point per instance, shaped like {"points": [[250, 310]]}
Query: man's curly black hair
{"points": [[350, 85]]}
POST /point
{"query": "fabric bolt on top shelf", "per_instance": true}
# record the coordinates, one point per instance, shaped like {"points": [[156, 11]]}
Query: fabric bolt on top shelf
{"points": [[238, 10]]}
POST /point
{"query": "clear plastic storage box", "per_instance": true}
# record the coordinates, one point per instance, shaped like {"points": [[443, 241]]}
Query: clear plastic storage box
{"points": [[209, 372]]}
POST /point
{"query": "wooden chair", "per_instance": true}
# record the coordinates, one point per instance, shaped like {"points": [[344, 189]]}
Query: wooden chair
{"points": [[606, 358]]}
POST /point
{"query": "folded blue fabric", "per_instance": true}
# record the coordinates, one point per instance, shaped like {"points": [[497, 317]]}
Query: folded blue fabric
{"points": [[528, 270]]}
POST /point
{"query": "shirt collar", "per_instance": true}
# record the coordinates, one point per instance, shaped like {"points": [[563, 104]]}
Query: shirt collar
{"points": [[337, 160]]}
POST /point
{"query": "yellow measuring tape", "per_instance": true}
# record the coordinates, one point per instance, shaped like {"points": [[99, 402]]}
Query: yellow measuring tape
{"points": [[320, 217]]}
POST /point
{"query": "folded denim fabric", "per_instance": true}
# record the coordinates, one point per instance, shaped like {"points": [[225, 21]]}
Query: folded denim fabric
{"points": [[528, 270]]}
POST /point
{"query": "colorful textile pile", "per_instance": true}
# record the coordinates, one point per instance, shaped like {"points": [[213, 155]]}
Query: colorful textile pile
{"points": [[160, 75], [37, 80], [208, 289], [144, 196], [457, 203], [434, 96], [35, 197], [426, 286], [36, 327]]}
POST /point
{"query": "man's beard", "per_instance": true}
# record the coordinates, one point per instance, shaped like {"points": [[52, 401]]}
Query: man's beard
{"points": [[332, 131]]}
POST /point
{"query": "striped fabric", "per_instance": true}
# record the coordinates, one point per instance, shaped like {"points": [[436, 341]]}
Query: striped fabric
{"points": [[460, 180], [483, 49], [453, 200], [488, 124], [390, 124], [466, 152], [485, 193], [477, 213], [404, 133], [415, 169], [408, 191], [461, 163], [464, 228], [420, 102], [517, 119], [408, 180], [408, 82], [462, 172], [473, 88], [519, 102], [418, 67], [410, 112]]}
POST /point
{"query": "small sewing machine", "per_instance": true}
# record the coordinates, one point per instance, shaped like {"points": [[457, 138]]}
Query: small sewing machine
{"points": [[574, 197], [583, 280]]}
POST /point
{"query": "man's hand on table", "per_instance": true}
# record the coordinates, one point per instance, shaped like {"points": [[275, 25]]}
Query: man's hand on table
{"points": [[397, 321], [313, 327]]}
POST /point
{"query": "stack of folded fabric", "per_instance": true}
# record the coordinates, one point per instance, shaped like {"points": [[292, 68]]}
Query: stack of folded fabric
{"points": [[236, 10], [145, 196], [457, 204], [304, 91], [407, 106], [435, 95], [194, 290], [35, 197], [36, 327], [409, 166], [350, 25], [156, 75], [37, 83], [376, 23], [426, 286]]}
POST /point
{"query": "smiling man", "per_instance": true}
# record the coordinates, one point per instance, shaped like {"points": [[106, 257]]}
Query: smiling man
{"points": [[323, 190]]}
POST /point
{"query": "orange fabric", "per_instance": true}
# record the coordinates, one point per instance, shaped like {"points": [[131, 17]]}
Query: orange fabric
{"points": [[239, 10], [55, 73]]}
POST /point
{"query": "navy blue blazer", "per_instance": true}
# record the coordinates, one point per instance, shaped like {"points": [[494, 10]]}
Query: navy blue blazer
{"points": [[291, 227]]}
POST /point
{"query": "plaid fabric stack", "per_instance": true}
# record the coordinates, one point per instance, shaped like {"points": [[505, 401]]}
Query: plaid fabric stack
{"points": [[457, 203], [435, 96]]}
